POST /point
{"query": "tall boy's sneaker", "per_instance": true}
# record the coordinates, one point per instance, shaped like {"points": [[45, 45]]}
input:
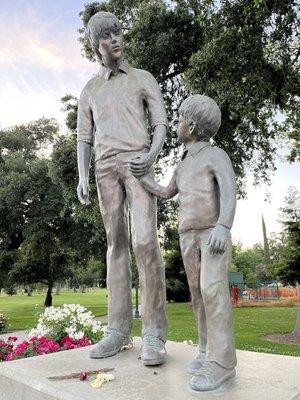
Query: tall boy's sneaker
{"points": [[196, 364], [111, 343], [153, 350], [211, 376]]}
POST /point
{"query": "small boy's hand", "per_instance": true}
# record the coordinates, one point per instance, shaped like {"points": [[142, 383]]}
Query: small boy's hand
{"points": [[218, 239], [139, 166]]}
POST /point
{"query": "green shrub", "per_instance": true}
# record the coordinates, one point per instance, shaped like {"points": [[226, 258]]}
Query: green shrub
{"points": [[3, 323]]}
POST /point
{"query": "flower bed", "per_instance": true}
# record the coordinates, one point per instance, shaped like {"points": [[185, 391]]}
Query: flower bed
{"points": [[59, 328]]}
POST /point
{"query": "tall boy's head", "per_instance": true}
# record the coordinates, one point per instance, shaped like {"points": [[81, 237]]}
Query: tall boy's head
{"points": [[106, 37], [200, 119]]}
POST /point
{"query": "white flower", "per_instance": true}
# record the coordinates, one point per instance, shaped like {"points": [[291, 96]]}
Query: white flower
{"points": [[78, 335]]}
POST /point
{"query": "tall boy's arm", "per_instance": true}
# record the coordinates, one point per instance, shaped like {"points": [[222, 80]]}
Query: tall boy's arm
{"points": [[159, 122], [84, 145], [227, 185], [141, 164], [158, 190]]}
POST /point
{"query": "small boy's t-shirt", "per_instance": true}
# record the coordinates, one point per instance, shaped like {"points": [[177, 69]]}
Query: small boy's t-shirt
{"points": [[203, 178]]}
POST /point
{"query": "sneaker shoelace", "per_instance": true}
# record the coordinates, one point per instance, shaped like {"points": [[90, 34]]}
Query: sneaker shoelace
{"points": [[206, 369], [152, 341]]}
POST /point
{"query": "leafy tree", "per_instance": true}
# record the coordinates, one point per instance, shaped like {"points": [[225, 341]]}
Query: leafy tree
{"points": [[83, 227], [31, 231], [19, 147], [244, 54], [249, 262], [89, 276], [286, 262]]}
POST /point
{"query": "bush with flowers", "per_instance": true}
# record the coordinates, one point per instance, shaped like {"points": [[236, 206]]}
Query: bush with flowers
{"points": [[59, 328], [70, 320], [3, 322]]}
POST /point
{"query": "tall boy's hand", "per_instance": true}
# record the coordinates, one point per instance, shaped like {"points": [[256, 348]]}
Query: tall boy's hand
{"points": [[138, 166], [83, 192], [218, 239]]}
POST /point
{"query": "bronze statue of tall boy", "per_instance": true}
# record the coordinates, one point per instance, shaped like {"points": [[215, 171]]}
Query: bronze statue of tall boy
{"points": [[112, 117], [206, 187]]}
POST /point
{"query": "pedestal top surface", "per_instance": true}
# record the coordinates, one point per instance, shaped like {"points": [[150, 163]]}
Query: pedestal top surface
{"points": [[259, 376]]}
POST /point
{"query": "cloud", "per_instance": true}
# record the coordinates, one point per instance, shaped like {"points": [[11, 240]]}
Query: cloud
{"points": [[40, 61], [29, 40]]}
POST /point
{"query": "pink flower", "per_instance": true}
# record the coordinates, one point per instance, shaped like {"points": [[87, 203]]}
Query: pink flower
{"points": [[67, 342], [9, 357], [12, 339], [84, 342], [20, 349]]}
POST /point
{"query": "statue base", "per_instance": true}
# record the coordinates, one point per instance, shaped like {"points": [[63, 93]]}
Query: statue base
{"points": [[259, 376]]}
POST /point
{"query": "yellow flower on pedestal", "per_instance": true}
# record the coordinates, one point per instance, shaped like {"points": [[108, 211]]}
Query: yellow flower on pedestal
{"points": [[101, 379]]}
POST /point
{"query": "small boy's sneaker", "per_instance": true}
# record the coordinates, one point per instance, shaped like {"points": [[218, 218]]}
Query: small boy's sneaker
{"points": [[211, 376], [196, 364]]}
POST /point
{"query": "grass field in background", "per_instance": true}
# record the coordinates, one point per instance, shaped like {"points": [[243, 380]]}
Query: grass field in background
{"points": [[22, 309], [251, 324]]}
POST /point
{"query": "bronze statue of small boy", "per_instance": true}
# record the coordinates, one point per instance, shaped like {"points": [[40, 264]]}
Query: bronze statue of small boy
{"points": [[205, 182]]}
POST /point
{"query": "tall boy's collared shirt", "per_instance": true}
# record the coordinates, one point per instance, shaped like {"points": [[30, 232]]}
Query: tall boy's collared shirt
{"points": [[206, 186], [113, 108]]}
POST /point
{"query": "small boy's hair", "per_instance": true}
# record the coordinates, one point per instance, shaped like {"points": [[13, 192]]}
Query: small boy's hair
{"points": [[204, 113], [97, 23]]}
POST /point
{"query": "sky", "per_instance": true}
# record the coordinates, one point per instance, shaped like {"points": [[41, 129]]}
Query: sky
{"points": [[41, 61]]}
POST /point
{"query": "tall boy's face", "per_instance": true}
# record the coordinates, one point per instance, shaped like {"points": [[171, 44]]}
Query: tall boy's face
{"points": [[111, 46]]}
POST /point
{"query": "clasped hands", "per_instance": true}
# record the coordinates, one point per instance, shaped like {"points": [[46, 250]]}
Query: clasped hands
{"points": [[138, 166]]}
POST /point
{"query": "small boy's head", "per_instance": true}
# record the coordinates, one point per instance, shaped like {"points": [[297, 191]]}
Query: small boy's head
{"points": [[200, 119], [104, 27]]}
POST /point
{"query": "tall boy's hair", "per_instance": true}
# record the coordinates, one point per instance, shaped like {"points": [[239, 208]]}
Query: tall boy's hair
{"points": [[204, 113], [96, 24]]}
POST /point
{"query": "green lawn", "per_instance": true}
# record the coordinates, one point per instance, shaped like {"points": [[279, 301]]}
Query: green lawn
{"points": [[250, 323], [22, 309]]}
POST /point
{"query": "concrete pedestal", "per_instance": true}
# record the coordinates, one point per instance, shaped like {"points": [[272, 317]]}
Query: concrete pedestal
{"points": [[259, 377]]}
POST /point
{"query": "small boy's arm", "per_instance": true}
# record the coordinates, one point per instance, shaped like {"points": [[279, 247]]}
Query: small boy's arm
{"points": [[227, 185], [158, 190]]}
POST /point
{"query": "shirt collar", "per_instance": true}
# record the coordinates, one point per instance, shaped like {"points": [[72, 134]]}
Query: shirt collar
{"points": [[106, 73], [194, 148]]}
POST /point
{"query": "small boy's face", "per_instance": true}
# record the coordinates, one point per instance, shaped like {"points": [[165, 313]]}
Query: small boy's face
{"points": [[111, 46], [183, 130]]}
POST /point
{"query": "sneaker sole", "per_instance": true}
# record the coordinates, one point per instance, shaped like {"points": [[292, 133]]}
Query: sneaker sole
{"points": [[105, 355], [109, 354], [153, 362], [199, 388]]}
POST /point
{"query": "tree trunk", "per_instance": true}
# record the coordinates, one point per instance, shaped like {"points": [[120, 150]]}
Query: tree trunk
{"points": [[296, 331], [48, 300], [57, 292]]}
